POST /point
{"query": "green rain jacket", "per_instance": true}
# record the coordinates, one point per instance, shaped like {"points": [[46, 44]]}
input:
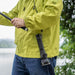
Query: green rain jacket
{"points": [[47, 19]]}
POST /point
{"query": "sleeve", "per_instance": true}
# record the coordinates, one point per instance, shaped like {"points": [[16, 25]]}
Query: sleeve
{"points": [[46, 18], [13, 13]]}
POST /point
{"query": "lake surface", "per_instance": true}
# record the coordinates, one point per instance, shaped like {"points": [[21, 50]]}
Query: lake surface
{"points": [[6, 60]]}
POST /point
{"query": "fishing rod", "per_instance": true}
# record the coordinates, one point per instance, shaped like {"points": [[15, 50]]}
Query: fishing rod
{"points": [[44, 59], [24, 28]]}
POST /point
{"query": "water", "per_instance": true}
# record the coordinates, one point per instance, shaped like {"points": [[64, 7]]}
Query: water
{"points": [[6, 60]]}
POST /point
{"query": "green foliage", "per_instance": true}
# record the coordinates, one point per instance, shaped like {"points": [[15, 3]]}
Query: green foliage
{"points": [[68, 27], [68, 32], [67, 69], [7, 43]]}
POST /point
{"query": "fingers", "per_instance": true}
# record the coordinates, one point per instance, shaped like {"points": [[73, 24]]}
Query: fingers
{"points": [[14, 22], [17, 22]]}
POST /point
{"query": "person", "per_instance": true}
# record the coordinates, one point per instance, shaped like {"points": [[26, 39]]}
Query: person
{"points": [[35, 15]]}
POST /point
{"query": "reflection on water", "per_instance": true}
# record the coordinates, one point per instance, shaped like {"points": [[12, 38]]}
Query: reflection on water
{"points": [[6, 60]]}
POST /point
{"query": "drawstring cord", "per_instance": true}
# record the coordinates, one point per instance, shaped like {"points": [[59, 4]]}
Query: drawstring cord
{"points": [[35, 7]]}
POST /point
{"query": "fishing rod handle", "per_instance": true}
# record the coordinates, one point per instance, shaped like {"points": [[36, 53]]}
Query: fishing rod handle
{"points": [[24, 28]]}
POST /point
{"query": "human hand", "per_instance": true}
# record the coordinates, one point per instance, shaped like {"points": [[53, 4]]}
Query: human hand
{"points": [[18, 22]]}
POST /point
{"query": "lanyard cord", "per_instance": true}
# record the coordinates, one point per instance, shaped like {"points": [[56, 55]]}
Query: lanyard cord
{"points": [[35, 7], [36, 10]]}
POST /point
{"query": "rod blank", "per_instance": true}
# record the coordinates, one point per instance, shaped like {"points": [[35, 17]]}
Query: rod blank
{"points": [[5, 16]]}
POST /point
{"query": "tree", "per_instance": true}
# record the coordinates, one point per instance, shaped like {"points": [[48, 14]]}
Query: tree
{"points": [[68, 32], [68, 26]]}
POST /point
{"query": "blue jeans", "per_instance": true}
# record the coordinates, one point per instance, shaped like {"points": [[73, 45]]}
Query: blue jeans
{"points": [[30, 66]]}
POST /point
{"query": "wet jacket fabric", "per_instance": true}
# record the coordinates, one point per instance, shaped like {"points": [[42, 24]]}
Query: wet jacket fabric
{"points": [[47, 19]]}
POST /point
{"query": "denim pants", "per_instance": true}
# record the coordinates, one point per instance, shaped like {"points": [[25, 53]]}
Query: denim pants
{"points": [[30, 66]]}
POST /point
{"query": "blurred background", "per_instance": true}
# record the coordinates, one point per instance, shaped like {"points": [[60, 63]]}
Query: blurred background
{"points": [[65, 61], [7, 37]]}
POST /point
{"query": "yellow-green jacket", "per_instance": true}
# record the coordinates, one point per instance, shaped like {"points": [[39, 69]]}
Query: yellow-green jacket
{"points": [[47, 19]]}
